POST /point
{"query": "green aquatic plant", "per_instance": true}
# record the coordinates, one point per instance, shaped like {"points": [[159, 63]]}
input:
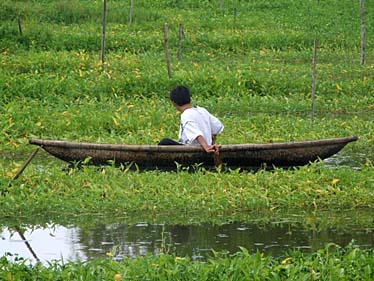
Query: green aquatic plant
{"points": [[329, 263], [199, 195]]}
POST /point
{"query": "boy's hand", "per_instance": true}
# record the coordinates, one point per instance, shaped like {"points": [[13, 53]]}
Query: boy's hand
{"points": [[211, 149], [208, 148]]}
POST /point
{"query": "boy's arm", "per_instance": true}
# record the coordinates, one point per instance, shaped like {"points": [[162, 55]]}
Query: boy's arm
{"points": [[208, 148]]}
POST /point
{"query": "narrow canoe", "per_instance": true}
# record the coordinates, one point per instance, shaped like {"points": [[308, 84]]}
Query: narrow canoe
{"points": [[246, 156]]}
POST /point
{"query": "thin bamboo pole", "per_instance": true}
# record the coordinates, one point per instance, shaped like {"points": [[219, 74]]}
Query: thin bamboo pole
{"points": [[314, 66], [103, 34], [166, 47], [363, 33], [131, 11], [222, 6], [27, 244], [180, 38], [20, 171], [20, 27]]}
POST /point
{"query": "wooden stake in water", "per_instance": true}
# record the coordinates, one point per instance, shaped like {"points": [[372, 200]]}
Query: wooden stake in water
{"points": [[103, 34], [363, 33], [166, 47], [314, 79]]}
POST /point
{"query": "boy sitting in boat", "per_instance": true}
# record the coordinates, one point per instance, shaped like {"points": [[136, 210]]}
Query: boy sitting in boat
{"points": [[198, 126]]}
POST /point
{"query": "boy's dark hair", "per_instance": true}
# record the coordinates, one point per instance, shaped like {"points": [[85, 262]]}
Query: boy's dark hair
{"points": [[180, 95]]}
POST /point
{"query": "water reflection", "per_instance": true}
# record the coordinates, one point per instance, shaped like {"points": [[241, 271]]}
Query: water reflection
{"points": [[44, 244], [197, 241], [350, 158]]}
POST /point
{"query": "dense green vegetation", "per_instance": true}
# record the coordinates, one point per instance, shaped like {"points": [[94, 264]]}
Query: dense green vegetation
{"points": [[249, 62], [197, 197], [331, 263]]}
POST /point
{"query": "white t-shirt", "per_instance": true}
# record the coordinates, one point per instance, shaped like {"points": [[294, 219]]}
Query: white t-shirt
{"points": [[197, 121]]}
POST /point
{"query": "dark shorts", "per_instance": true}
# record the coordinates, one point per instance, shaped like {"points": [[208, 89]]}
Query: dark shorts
{"points": [[166, 141]]}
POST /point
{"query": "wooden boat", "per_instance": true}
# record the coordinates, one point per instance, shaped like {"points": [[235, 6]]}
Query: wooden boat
{"points": [[246, 156]]}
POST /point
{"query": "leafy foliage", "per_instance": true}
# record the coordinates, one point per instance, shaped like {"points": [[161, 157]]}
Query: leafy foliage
{"points": [[330, 263]]}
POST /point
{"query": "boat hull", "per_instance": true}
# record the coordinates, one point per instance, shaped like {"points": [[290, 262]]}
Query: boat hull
{"points": [[249, 156]]}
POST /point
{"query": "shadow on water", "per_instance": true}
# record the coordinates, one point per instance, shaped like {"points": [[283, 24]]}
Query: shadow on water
{"points": [[96, 239]]}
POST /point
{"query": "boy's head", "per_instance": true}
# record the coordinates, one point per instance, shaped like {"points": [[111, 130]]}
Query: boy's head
{"points": [[180, 95]]}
